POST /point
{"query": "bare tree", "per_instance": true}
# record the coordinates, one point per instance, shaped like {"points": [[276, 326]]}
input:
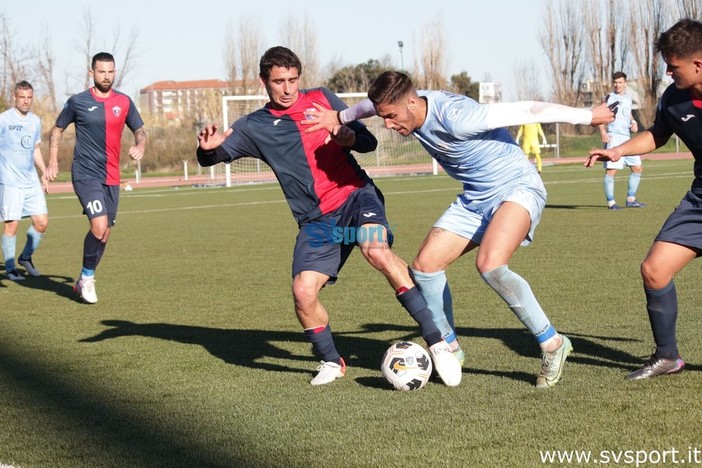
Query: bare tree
{"points": [[690, 9], [303, 41], [125, 52], [433, 70], [231, 55], [562, 41], [604, 22], [527, 81], [85, 44], [242, 52], [249, 54], [13, 58], [648, 20], [45, 65]]}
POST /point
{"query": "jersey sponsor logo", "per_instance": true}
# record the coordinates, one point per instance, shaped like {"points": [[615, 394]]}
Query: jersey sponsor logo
{"points": [[687, 117], [15, 127], [117, 111], [276, 122], [92, 108], [26, 142]]}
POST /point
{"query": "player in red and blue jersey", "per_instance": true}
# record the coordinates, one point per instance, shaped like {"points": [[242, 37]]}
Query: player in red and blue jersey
{"points": [[330, 197], [99, 114]]}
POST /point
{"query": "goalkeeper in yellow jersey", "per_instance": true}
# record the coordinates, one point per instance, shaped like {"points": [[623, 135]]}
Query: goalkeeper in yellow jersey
{"points": [[530, 142]]}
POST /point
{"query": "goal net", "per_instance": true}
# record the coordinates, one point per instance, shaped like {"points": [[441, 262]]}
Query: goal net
{"points": [[394, 155]]}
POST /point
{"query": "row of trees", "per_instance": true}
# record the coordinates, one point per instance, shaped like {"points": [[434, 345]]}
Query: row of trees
{"points": [[37, 62], [583, 43], [588, 40]]}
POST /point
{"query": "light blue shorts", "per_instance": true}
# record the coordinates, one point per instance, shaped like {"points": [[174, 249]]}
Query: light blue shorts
{"points": [[616, 139], [471, 220], [17, 203]]}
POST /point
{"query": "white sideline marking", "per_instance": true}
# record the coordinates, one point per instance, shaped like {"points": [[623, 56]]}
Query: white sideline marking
{"points": [[456, 189]]}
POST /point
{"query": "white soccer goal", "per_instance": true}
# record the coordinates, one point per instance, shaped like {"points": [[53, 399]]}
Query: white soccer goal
{"points": [[395, 154]]}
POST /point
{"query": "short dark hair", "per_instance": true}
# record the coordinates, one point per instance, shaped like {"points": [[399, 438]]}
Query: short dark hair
{"points": [[101, 57], [23, 85], [278, 56], [389, 87], [682, 40], [617, 75]]}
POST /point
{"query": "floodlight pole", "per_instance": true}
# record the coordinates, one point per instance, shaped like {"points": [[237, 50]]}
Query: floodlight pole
{"points": [[400, 44]]}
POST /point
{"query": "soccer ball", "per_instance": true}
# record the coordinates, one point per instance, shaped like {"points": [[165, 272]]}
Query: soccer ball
{"points": [[407, 366], [128, 188]]}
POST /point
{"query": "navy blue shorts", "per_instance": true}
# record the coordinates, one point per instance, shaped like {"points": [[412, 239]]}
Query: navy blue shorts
{"points": [[684, 225], [98, 199], [324, 244]]}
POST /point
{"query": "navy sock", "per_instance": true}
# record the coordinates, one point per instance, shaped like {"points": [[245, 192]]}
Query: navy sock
{"points": [[323, 343], [662, 306], [92, 251], [413, 301]]}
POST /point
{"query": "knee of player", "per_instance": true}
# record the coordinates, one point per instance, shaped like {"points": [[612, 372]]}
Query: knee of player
{"points": [[100, 232], [425, 264], [484, 263], [653, 275], [378, 254], [304, 292], [41, 225]]}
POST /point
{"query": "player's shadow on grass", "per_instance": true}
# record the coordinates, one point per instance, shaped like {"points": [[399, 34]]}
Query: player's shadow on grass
{"points": [[249, 348], [591, 350], [257, 348], [60, 285]]}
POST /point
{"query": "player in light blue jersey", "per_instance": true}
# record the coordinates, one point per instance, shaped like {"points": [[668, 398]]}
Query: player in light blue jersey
{"points": [[21, 192], [615, 134], [502, 197]]}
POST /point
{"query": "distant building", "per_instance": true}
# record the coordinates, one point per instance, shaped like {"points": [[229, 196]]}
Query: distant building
{"points": [[490, 92], [180, 101]]}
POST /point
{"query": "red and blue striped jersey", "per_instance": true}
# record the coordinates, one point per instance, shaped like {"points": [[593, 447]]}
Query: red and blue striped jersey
{"points": [[99, 125], [316, 176]]}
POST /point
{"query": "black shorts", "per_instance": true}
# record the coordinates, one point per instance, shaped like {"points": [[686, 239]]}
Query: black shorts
{"points": [[324, 244], [98, 199], [684, 225]]}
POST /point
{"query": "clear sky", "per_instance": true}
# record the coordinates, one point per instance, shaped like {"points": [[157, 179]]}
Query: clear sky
{"points": [[183, 40]]}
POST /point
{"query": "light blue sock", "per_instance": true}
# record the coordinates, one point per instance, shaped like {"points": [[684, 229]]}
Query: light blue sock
{"points": [[87, 272], [609, 187], [8, 250], [633, 186], [436, 292], [517, 293], [33, 241]]}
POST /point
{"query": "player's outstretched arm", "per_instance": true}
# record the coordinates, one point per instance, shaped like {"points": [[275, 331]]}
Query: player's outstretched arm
{"points": [[321, 118], [642, 143], [601, 115]]}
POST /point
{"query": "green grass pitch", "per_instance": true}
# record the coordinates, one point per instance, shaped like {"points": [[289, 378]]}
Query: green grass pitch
{"points": [[193, 356]]}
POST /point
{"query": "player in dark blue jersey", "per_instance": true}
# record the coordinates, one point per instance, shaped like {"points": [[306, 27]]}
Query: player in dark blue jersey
{"points": [[680, 239], [99, 114], [330, 197]]}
